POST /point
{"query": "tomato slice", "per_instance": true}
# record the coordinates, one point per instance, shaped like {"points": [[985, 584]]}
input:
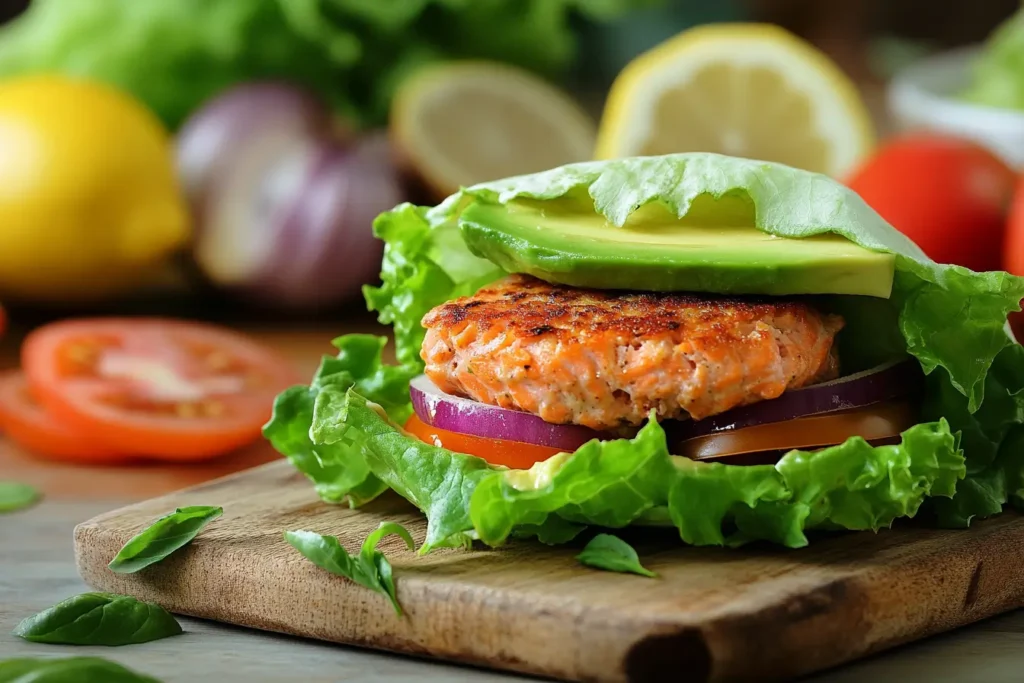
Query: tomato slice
{"points": [[874, 423], [511, 454], [25, 423], [159, 388]]}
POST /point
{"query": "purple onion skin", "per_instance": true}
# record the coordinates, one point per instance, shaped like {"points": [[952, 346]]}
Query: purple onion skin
{"points": [[466, 416], [903, 379], [209, 140], [321, 232], [326, 248]]}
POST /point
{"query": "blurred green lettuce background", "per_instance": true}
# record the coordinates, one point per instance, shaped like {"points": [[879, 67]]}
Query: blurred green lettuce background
{"points": [[175, 54]]}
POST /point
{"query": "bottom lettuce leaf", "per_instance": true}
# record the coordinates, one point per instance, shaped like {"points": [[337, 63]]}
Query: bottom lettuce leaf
{"points": [[990, 437], [338, 470], [852, 486], [437, 481]]}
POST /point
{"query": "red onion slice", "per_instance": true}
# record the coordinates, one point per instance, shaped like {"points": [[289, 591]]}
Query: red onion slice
{"points": [[881, 383], [466, 416]]}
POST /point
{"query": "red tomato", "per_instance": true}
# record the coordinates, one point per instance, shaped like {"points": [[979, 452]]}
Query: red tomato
{"points": [[159, 388], [512, 454], [1013, 251], [25, 423], [949, 196]]}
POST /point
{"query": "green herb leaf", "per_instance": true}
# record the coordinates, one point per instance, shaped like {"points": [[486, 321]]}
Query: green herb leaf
{"points": [[99, 619], [163, 537], [325, 552], [612, 554], [16, 496], [369, 568], [68, 670]]}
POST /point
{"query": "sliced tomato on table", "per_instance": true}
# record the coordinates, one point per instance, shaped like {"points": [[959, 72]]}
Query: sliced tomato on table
{"points": [[513, 454], [28, 425], [159, 388]]}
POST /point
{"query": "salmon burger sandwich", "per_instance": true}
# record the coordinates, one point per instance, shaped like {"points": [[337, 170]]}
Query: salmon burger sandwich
{"points": [[735, 349]]}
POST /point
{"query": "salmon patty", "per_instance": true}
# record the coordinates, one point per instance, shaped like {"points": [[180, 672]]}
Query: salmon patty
{"points": [[605, 359]]}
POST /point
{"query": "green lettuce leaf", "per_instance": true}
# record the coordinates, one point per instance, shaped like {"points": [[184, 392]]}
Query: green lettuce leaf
{"points": [[435, 480], [338, 471], [425, 264], [951, 320], [607, 483], [614, 483]]}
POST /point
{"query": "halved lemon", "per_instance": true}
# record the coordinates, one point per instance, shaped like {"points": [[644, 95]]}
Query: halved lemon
{"points": [[750, 90], [463, 123]]}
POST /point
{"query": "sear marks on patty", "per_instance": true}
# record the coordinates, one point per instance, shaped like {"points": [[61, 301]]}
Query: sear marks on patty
{"points": [[605, 359]]}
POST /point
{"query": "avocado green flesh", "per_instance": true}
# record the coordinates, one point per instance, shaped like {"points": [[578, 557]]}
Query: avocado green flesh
{"points": [[667, 255]]}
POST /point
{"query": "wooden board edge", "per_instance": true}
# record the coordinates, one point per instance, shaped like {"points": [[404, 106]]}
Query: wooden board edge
{"points": [[641, 650]]}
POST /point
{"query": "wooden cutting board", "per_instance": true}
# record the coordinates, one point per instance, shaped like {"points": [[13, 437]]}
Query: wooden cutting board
{"points": [[753, 614]]}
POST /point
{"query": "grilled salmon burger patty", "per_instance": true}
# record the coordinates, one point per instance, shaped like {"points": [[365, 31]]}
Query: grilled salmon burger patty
{"points": [[605, 359]]}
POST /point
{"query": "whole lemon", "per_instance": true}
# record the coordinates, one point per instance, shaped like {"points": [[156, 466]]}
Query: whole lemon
{"points": [[89, 202]]}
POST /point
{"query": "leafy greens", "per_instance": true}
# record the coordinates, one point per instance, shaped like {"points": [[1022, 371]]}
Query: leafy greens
{"points": [[99, 619], [960, 456], [998, 78], [369, 568], [173, 55]]}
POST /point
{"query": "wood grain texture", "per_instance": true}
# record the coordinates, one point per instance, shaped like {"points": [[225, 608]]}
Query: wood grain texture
{"points": [[717, 615]]}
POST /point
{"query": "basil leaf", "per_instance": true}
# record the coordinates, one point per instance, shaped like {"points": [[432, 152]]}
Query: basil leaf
{"points": [[370, 557], [163, 537], [68, 670], [612, 554], [16, 496], [323, 551], [99, 619], [369, 549], [369, 568]]}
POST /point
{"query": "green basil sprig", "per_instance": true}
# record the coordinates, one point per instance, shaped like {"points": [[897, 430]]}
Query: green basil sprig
{"points": [[612, 554], [163, 537], [369, 568]]}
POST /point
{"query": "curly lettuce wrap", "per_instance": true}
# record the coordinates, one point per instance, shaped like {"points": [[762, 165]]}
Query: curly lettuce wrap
{"points": [[963, 460]]}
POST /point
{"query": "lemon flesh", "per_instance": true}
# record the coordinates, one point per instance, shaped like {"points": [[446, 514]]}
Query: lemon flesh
{"points": [[745, 90], [471, 122]]}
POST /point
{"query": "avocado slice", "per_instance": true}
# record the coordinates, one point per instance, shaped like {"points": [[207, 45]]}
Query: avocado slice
{"points": [[655, 251]]}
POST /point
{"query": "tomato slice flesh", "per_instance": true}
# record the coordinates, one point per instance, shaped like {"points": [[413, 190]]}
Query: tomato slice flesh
{"points": [[512, 454], [157, 388], [25, 423], [873, 423]]}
